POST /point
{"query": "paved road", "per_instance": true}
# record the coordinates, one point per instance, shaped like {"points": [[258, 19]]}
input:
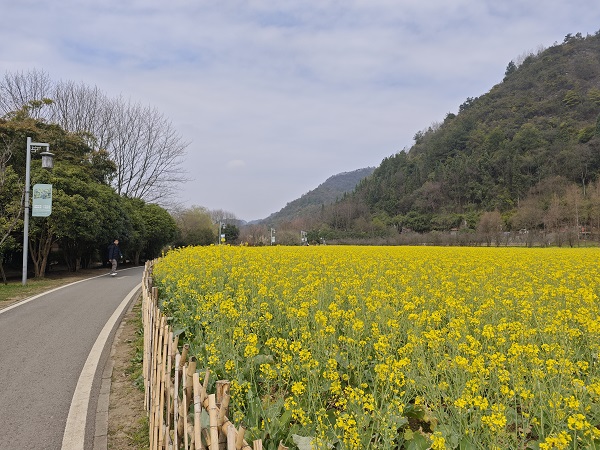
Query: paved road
{"points": [[45, 350]]}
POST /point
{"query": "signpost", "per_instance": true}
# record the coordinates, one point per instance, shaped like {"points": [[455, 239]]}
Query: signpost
{"points": [[47, 163]]}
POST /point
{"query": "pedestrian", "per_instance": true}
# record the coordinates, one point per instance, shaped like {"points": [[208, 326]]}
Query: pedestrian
{"points": [[114, 253]]}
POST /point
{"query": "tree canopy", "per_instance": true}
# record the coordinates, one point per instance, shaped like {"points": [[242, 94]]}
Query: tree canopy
{"points": [[87, 212]]}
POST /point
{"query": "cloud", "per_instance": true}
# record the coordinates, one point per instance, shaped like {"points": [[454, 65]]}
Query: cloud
{"points": [[235, 164], [275, 97]]}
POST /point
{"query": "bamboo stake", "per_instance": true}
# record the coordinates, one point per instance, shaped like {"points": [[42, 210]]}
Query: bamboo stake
{"points": [[185, 412], [153, 358], [223, 391], [190, 380], [184, 355], [149, 354], [225, 429], [152, 337], [257, 445], [281, 446], [220, 387], [168, 385], [176, 403], [203, 393], [206, 435], [163, 384], [239, 440], [197, 412], [146, 339], [231, 438], [188, 376], [214, 428], [159, 387], [155, 424], [175, 344], [156, 389]]}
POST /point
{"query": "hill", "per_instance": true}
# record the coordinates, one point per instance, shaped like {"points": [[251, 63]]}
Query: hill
{"points": [[528, 149], [326, 193]]}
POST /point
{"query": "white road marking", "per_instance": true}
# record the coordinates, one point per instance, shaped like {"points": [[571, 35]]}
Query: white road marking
{"points": [[8, 308], [22, 302], [74, 435]]}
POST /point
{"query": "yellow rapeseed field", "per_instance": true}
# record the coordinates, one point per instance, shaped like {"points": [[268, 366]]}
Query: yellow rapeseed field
{"points": [[397, 347]]}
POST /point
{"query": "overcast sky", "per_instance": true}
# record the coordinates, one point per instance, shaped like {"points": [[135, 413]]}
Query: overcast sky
{"points": [[276, 96]]}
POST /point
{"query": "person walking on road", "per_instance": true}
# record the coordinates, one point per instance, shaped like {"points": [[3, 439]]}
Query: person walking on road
{"points": [[114, 253]]}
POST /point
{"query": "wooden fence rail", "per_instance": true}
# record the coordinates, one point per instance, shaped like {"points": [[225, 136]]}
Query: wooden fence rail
{"points": [[174, 397]]}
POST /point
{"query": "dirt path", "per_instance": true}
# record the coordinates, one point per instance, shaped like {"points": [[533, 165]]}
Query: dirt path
{"points": [[127, 421]]}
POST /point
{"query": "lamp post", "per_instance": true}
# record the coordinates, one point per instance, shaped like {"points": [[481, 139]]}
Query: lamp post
{"points": [[47, 163], [221, 234]]}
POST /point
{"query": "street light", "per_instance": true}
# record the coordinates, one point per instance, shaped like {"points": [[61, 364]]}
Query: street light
{"points": [[47, 163], [221, 234]]}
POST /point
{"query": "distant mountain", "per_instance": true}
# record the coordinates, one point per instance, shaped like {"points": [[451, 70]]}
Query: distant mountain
{"points": [[326, 193], [532, 137]]}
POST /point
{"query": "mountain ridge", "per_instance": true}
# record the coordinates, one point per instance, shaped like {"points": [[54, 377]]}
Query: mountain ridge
{"points": [[331, 190]]}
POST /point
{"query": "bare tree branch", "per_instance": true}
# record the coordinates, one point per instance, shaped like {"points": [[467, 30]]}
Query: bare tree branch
{"points": [[144, 145]]}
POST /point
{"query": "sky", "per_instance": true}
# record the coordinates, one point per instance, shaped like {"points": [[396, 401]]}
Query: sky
{"points": [[274, 97]]}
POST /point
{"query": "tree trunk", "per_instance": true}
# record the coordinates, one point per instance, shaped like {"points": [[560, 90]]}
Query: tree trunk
{"points": [[2, 272], [39, 253]]}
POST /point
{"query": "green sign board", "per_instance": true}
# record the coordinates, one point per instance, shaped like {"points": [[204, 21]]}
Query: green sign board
{"points": [[42, 200]]}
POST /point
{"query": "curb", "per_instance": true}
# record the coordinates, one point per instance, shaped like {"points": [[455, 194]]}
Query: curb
{"points": [[101, 431]]}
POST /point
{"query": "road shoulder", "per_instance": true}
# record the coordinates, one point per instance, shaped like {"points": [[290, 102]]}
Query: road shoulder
{"points": [[121, 421]]}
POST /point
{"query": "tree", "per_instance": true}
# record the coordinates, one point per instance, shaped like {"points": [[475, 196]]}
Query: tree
{"points": [[142, 143], [195, 227], [490, 226], [151, 229], [222, 216], [11, 207], [161, 229], [20, 88], [231, 233], [84, 214], [528, 218], [255, 234], [510, 68], [147, 151]]}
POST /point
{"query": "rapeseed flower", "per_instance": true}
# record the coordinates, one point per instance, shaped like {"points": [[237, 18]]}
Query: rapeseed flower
{"points": [[349, 340]]}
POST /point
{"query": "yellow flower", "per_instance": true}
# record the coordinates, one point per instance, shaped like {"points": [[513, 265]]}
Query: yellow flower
{"points": [[298, 388]]}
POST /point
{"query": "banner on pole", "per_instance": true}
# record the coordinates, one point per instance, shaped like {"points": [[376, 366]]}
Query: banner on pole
{"points": [[42, 200]]}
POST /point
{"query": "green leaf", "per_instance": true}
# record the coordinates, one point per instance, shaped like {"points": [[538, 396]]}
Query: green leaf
{"points": [[262, 359], [418, 442], [451, 436], [466, 444], [204, 418], [285, 418], [305, 442], [179, 331]]}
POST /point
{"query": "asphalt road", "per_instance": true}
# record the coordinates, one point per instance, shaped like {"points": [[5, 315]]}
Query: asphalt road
{"points": [[46, 345]]}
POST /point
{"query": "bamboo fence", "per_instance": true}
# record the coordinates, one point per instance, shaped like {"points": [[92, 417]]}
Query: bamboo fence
{"points": [[174, 397]]}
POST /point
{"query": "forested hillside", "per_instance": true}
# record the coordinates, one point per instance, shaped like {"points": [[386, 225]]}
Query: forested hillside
{"points": [[326, 193], [528, 150]]}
